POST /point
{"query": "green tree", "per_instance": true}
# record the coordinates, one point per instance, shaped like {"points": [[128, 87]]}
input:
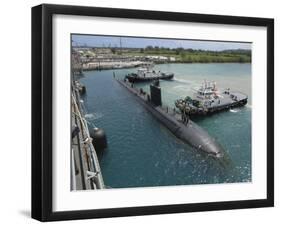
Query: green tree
{"points": [[113, 50]]}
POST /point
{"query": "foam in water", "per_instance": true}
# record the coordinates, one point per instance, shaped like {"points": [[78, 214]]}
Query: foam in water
{"points": [[93, 116], [182, 81], [180, 87]]}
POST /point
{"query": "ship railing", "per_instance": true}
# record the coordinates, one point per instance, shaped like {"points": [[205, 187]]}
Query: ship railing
{"points": [[93, 174]]}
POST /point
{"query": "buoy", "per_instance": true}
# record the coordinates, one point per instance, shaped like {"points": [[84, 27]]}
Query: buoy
{"points": [[82, 89], [99, 138]]}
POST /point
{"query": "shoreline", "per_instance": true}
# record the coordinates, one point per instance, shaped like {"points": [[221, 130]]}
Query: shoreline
{"points": [[128, 65]]}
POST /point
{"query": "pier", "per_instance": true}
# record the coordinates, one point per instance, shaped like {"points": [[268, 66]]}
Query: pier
{"points": [[85, 168], [113, 64]]}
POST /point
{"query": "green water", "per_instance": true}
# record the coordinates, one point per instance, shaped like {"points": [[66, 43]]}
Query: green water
{"points": [[141, 152]]}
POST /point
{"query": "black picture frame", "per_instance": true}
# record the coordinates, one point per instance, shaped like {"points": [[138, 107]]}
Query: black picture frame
{"points": [[42, 108]]}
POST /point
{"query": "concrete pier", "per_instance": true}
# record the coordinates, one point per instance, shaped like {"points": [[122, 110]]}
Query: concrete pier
{"points": [[103, 65]]}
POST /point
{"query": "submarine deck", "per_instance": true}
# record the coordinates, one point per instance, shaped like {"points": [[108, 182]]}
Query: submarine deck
{"points": [[187, 131], [165, 109]]}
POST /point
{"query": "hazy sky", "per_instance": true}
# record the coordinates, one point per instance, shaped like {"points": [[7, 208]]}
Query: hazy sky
{"points": [[110, 41]]}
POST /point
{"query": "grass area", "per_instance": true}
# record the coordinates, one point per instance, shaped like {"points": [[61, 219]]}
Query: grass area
{"points": [[181, 55], [197, 56]]}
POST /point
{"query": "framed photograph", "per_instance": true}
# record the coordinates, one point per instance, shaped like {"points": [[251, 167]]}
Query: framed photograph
{"points": [[145, 112]]}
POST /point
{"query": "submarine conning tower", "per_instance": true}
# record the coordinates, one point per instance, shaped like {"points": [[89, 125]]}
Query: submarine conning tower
{"points": [[155, 93]]}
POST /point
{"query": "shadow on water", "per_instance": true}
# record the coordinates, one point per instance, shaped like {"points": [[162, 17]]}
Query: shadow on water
{"points": [[223, 162], [226, 162], [102, 153]]}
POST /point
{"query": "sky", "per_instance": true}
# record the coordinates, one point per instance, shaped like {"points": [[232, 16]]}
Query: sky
{"points": [[132, 42]]}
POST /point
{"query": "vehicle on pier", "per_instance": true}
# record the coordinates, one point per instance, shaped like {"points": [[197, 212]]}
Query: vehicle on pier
{"points": [[208, 99], [146, 74]]}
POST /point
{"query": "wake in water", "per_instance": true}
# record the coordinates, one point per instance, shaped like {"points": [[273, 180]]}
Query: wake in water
{"points": [[233, 110], [181, 80], [180, 87], [93, 116]]}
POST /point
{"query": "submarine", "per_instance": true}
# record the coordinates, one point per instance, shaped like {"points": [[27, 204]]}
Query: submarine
{"points": [[180, 125]]}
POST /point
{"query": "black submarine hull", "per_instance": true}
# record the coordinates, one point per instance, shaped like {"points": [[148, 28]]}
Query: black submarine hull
{"points": [[189, 133]]}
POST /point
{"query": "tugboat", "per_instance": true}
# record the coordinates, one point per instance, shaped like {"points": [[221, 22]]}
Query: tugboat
{"points": [[146, 74], [208, 99]]}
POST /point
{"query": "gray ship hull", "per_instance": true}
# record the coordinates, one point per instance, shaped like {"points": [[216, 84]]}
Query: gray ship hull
{"points": [[189, 133], [135, 78]]}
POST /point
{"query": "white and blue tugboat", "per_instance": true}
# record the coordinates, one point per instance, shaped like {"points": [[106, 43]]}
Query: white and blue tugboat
{"points": [[146, 74], [208, 99]]}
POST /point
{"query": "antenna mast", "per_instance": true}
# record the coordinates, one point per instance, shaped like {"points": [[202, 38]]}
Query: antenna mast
{"points": [[120, 45]]}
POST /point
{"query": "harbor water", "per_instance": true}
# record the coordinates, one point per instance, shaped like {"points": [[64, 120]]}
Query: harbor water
{"points": [[141, 152]]}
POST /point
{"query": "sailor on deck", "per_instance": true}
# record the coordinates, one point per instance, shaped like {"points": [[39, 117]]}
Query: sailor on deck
{"points": [[185, 117]]}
